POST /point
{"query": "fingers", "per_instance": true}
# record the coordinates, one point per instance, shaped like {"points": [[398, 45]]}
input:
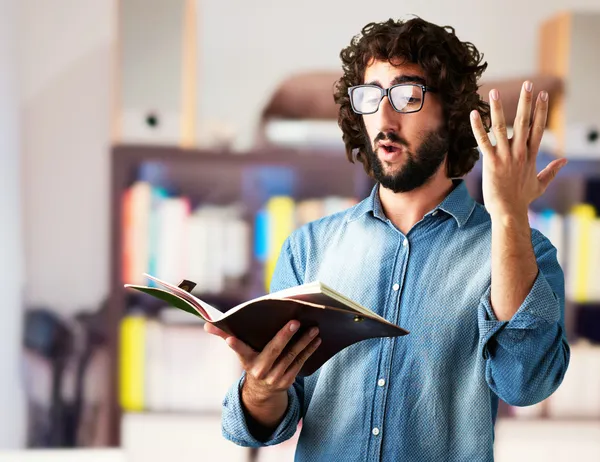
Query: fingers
{"points": [[244, 352], [296, 365], [539, 124], [550, 172], [275, 362], [481, 136], [499, 123], [214, 330], [292, 353], [523, 119], [270, 353]]}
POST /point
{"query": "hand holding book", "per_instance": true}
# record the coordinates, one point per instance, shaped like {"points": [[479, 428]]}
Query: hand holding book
{"points": [[274, 368], [270, 373]]}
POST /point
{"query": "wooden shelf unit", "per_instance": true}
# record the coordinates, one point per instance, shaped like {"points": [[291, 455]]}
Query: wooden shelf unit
{"points": [[218, 177]]}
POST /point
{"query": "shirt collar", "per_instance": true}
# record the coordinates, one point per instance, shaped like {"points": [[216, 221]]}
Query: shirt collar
{"points": [[459, 204]]}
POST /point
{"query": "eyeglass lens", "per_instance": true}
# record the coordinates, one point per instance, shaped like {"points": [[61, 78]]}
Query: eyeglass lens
{"points": [[404, 98]]}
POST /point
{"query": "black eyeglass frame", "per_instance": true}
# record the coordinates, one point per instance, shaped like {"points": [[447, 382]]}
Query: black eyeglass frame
{"points": [[386, 92]]}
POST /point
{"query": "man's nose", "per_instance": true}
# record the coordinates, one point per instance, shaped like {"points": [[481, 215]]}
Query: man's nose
{"points": [[389, 119]]}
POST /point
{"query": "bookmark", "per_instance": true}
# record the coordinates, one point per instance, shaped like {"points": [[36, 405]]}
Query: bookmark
{"points": [[186, 285]]}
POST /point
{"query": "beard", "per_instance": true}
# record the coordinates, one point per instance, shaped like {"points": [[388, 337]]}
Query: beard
{"points": [[418, 168]]}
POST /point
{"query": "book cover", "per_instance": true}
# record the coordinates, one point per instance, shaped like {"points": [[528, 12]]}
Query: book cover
{"points": [[341, 321]]}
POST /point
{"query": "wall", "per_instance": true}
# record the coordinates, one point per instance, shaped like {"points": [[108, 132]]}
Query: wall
{"points": [[245, 48], [12, 414], [66, 105]]}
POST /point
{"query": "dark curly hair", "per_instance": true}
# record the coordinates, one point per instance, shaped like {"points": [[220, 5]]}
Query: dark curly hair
{"points": [[452, 66]]}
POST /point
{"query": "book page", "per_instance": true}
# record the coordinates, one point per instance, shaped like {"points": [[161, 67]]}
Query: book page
{"points": [[342, 298], [319, 293], [212, 313], [172, 299]]}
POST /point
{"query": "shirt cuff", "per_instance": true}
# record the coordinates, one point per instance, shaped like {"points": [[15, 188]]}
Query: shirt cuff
{"points": [[540, 306], [235, 427]]}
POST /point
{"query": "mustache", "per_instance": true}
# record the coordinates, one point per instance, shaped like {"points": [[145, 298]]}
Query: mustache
{"points": [[390, 136]]}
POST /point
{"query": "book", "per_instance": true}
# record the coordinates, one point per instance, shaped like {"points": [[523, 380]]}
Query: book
{"points": [[341, 321]]}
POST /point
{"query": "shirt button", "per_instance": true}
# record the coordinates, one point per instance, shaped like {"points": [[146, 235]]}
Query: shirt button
{"points": [[405, 243], [396, 286], [381, 382], [376, 431]]}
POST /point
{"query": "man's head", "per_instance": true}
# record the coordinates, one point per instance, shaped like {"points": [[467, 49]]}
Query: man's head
{"points": [[421, 125]]}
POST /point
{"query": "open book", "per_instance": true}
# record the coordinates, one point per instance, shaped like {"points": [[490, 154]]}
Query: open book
{"points": [[341, 321]]}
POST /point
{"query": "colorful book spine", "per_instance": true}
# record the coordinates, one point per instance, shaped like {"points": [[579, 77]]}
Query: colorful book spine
{"points": [[581, 221], [281, 223], [132, 352]]}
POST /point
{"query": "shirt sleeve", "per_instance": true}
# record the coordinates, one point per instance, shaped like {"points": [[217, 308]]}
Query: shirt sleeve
{"points": [[234, 423], [527, 357]]}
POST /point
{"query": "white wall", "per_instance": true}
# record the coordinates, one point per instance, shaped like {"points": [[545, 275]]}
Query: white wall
{"points": [[66, 101], [12, 410], [245, 48]]}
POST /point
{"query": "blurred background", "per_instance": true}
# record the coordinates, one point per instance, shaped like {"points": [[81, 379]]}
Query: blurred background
{"points": [[187, 139]]}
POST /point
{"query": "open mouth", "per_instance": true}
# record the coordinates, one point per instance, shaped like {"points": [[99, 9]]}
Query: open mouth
{"points": [[389, 148]]}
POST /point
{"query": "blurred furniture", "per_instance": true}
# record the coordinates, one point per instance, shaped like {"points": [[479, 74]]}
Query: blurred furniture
{"points": [[156, 72], [51, 339], [568, 47]]}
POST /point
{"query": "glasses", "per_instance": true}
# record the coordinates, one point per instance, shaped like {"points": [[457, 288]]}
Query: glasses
{"points": [[404, 98]]}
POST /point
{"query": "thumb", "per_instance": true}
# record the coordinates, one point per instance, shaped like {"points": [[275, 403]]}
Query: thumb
{"points": [[550, 172]]}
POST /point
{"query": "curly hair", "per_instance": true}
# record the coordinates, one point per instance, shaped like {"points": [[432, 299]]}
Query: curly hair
{"points": [[452, 66]]}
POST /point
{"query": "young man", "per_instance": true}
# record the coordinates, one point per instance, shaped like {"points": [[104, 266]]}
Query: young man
{"points": [[480, 292]]}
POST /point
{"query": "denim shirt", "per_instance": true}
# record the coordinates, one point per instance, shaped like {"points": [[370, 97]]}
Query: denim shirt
{"points": [[431, 395]]}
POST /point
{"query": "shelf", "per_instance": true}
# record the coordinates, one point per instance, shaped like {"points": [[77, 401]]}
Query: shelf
{"points": [[216, 177]]}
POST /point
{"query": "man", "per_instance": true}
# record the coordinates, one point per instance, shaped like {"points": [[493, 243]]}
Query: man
{"points": [[480, 292]]}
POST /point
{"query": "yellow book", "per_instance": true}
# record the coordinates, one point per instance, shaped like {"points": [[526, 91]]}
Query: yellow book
{"points": [[580, 241], [281, 222], [132, 362]]}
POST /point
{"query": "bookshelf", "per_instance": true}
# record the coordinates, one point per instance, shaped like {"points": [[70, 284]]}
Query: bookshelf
{"points": [[218, 177], [223, 177]]}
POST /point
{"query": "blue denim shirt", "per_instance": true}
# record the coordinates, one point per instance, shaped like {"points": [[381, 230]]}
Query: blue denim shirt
{"points": [[431, 395]]}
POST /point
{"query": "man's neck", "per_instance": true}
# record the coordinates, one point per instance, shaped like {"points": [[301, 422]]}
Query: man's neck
{"points": [[406, 209]]}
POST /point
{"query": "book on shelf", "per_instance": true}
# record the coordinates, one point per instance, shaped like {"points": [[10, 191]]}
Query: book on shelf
{"points": [[167, 233], [167, 363], [576, 236], [341, 321]]}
